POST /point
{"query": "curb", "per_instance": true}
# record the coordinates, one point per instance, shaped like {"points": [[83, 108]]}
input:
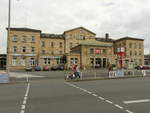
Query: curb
{"points": [[104, 78]]}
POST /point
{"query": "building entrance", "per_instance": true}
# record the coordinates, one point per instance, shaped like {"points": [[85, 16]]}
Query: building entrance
{"points": [[98, 63]]}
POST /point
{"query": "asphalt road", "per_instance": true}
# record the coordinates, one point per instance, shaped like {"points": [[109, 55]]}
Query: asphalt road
{"points": [[58, 96]]}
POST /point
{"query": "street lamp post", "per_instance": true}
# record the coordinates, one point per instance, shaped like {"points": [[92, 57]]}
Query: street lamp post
{"points": [[8, 34]]}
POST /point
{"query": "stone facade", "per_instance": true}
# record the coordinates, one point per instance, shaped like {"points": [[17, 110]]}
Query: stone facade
{"points": [[30, 47]]}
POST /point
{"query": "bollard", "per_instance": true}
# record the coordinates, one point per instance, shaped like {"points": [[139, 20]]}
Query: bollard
{"points": [[81, 75], [133, 72], [27, 77], [95, 75], [143, 72]]}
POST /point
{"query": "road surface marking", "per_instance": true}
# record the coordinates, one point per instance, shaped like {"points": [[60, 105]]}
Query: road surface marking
{"points": [[108, 101], [23, 106], [118, 106], [99, 97], [129, 111], [24, 102], [136, 101], [22, 111], [94, 95]]}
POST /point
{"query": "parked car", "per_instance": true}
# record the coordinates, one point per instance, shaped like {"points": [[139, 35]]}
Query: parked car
{"points": [[28, 68], [60, 67], [54, 68], [142, 67], [138, 67], [45, 68], [145, 67], [37, 68]]}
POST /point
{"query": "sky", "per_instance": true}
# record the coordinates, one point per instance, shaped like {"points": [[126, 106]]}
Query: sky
{"points": [[119, 18]]}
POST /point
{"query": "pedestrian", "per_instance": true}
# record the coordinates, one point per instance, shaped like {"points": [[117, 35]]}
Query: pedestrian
{"points": [[78, 71], [110, 71], [75, 70]]}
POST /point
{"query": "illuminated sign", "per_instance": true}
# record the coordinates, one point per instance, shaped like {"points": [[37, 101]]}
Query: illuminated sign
{"points": [[97, 51]]}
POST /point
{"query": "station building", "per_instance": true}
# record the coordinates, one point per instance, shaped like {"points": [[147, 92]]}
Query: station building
{"points": [[31, 47]]}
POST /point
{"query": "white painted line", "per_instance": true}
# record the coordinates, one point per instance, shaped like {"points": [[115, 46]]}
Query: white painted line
{"points": [[95, 95], [22, 111], [136, 101], [89, 92], [24, 102], [109, 101], [118, 106], [23, 107], [25, 98], [101, 98], [129, 111]]}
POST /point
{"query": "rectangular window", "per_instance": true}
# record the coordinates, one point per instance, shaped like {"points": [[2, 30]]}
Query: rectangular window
{"points": [[24, 38], [47, 60], [76, 60], [91, 51], [104, 51], [14, 38], [15, 49], [135, 46], [33, 39], [130, 45], [140, 53], [32, 49], [52, 44], [71, 61], [70, 45], [135, 53], [32, 61], [43, 44], [92, 60], [23, 49], [14, 61], [60, 44], [60, 52], [140, 46], [130, 53], [43, 51], [52, 52], [23, 61]]}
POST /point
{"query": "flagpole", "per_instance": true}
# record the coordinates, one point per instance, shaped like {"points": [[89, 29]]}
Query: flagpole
{"points": [[8, 35]]}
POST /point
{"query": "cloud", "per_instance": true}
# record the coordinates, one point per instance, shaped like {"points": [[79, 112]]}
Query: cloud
{"points": [[118, 17]]}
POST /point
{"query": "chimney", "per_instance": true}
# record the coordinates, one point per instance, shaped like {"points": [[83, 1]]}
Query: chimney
{"points": [[107, 35]]}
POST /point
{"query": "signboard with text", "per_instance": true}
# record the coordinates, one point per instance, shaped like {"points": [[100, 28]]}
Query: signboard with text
{"points": [[97, 51]]}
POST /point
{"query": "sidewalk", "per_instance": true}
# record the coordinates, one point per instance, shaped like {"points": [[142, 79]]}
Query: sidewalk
{"points": [[23, 75]]}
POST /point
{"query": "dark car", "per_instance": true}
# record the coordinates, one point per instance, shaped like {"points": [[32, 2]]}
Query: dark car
{"points": [[45, 68], [138, 67], [60, 67], [54, 68], [28, 68], [37, 68]]}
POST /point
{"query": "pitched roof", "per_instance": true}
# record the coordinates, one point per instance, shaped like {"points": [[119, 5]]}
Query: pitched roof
{"points": [[46, 35], [25, 29], [104, 39], [96, 44], [129, 38], [80, 28]]}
